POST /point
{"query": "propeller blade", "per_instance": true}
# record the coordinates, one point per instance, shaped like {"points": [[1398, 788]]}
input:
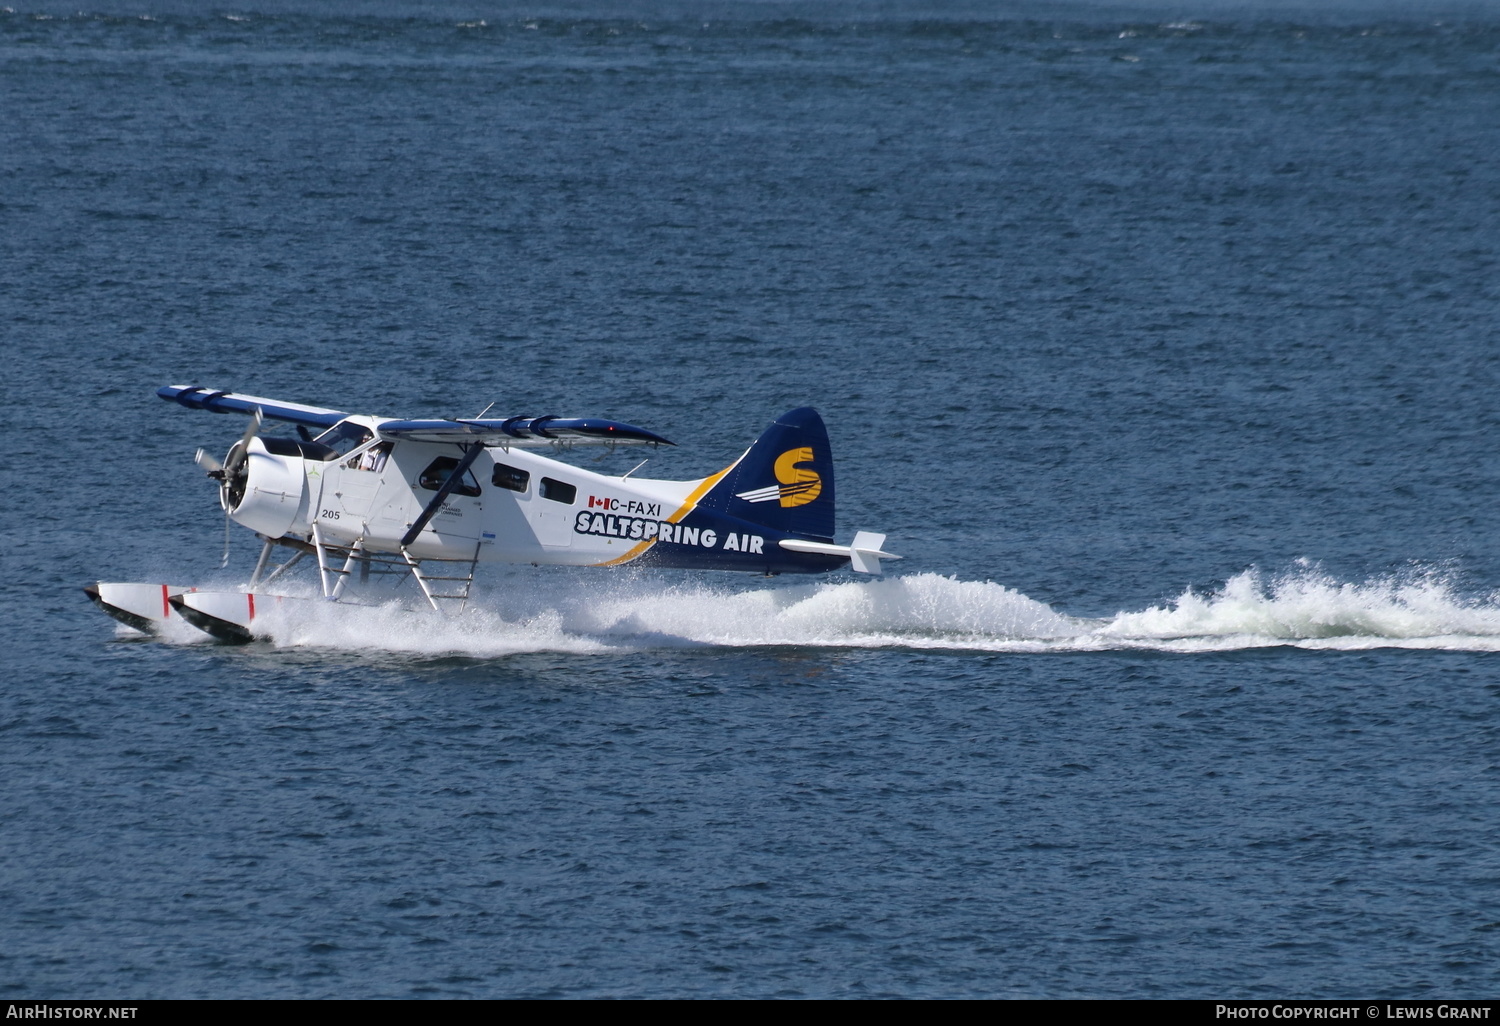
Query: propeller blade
{"points": [[240, 452], [209, 462]]}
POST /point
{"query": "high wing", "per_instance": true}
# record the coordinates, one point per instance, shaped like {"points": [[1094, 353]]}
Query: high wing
{"points": [[195, 398], [523, 432]]}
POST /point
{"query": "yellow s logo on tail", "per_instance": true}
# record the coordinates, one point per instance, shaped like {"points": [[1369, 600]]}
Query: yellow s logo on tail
{"points": [[799, 486]]}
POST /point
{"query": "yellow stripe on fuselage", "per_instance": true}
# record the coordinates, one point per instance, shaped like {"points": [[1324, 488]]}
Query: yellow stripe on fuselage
{"points": [[682, 511]]}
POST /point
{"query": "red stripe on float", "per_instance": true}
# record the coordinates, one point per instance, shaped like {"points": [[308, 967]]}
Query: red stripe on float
{"points": [[166, 607], [251, 597]]}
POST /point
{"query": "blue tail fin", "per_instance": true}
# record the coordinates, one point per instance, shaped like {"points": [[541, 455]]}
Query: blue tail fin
{"points": [[784, 481]]}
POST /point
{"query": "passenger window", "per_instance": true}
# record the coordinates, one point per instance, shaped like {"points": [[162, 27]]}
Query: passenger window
{"points": [[558, 491], [437, 472], [510, 477]]}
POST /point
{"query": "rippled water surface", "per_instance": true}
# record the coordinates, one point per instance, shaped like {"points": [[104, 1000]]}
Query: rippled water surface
{"points": [[1161, 344]]}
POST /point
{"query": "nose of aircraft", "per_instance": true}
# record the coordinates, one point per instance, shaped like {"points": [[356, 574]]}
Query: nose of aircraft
{"points": [[262, 490]]}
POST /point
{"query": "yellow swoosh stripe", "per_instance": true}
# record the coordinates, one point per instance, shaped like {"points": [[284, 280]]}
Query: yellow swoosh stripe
{"points": [[682, 511]]}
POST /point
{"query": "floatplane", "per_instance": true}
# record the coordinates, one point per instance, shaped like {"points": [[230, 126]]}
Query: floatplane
{"points": [[429, 500]]}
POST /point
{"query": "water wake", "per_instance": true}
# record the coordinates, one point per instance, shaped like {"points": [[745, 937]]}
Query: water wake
{"points": [[1309, 609], [1304, 608]]}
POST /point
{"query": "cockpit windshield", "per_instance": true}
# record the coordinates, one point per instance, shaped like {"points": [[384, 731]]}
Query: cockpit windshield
{"points": [[344, 437]]}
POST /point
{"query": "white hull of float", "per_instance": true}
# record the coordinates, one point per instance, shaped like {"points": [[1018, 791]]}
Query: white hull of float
{"points": [[146, 607], [227, 615], [149, 608]]}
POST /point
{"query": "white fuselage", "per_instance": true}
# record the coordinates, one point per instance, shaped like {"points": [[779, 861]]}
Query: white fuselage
{"points": [[511, 506]]}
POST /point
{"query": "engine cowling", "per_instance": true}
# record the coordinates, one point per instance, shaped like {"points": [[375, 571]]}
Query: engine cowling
{"points": [[268, 493]]}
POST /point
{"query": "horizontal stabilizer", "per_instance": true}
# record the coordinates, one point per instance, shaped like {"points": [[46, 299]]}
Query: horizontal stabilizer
{"points": [[864, 554], [195, 398]]}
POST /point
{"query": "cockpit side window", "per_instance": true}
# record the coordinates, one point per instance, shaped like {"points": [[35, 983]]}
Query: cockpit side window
{"points": [[373, 458], [437, 472]]}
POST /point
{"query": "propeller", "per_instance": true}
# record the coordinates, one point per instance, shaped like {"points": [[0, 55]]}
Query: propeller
{"points": [[240, 451], [228, 473], [216, 469]]}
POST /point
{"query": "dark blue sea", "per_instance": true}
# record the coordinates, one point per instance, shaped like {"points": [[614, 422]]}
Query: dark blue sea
{"points": [[1160, 339]]}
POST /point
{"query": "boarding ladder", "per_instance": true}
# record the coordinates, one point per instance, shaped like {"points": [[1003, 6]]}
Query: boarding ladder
{"points": [[454, 596]]}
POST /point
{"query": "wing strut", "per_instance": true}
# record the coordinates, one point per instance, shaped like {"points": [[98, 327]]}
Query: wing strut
{"points": [[471, 453]]}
